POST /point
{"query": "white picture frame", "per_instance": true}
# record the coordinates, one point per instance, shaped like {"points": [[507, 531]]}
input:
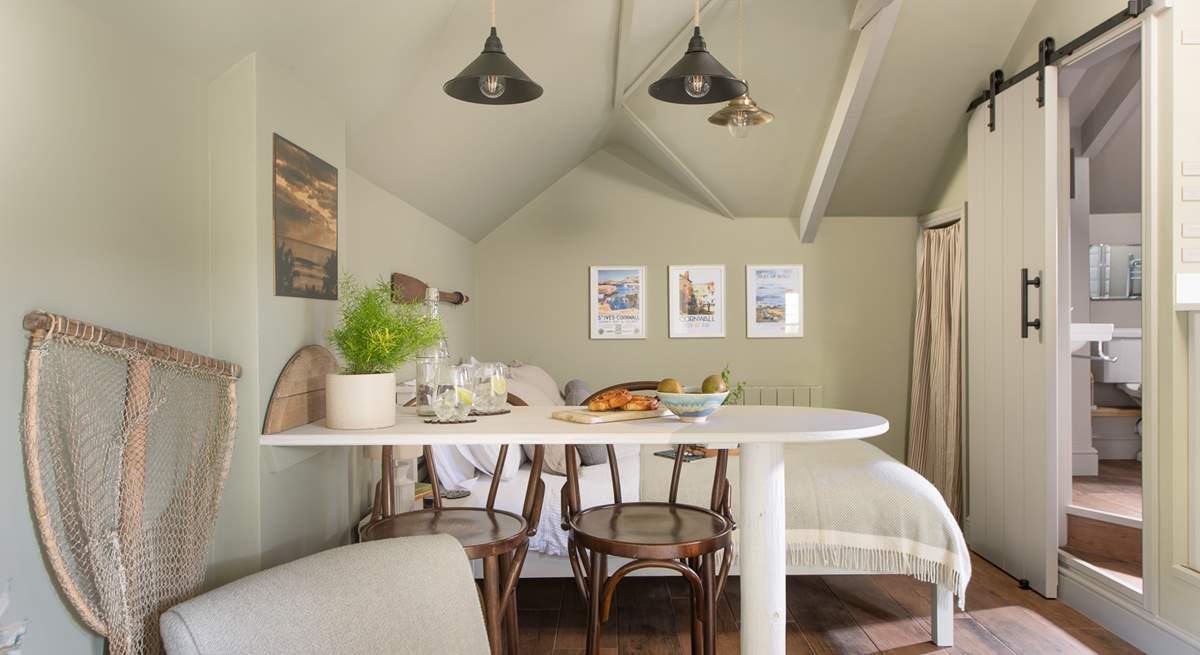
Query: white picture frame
{"points": [[617, 302], [696, 301], [775, 302]]}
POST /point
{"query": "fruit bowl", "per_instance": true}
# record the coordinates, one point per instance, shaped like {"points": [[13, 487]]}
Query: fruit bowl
{"points": [[692, 406]]}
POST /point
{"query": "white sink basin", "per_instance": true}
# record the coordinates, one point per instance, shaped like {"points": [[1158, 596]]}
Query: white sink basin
{"points": [[1085, 333]]}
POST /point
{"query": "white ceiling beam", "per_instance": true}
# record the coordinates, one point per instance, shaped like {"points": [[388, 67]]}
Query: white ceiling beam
{"points": [[1107, 125], [624, 35], [864, 11], [1115, 106], [673, 50], [692, 179], [864, 68]]}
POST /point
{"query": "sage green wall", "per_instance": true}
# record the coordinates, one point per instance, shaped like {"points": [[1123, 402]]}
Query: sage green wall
{"points": [[103, 216], [616, 208], [286, 503], [136, 195], [950, 189]]}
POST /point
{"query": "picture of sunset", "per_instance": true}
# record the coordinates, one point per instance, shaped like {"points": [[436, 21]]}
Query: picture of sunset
{"points": [[305, 209]]}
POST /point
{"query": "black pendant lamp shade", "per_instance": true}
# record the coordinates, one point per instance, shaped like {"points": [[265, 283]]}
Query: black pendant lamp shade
{"points": [[698, 65], [493, 79]]}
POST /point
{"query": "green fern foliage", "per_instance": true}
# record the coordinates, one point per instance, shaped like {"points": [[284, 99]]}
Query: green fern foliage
{"points": [[376, 335]]}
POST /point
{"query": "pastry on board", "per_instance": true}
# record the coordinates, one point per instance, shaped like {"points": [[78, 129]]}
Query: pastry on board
{"points": [[612, 399], [641, 404]]}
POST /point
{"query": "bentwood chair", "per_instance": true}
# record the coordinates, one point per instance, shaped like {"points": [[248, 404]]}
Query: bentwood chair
{"points": [[499, 538], [671, 535]]}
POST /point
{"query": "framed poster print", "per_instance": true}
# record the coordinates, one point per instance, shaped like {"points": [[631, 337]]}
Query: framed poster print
{"points": [[617, 302], [697, 301], [774, 301]]}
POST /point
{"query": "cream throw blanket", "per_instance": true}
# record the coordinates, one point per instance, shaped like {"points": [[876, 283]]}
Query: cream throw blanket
{"points": [[852, 507]]}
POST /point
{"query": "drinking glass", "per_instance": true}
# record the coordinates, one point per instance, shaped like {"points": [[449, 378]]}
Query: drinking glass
{"points": [[482, 385], [463, 376], [452, 399], [491, 387], [498, 381]]}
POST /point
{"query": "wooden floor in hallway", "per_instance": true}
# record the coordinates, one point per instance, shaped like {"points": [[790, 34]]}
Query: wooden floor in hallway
{"points": [[1117, 488], [828, 614]]}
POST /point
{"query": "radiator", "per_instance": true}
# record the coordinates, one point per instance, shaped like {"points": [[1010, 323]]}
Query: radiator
{"points": [[806, 396]]}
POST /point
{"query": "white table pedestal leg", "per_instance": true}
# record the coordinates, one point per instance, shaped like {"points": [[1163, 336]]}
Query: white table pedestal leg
{"points": [[762, 557]]}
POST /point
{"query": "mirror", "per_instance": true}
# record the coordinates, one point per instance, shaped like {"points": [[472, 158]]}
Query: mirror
{"points": [[1115, 271]]}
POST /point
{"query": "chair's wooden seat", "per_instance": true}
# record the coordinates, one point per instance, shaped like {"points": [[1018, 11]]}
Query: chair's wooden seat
{"points": [[651, 530], [482, 533]]}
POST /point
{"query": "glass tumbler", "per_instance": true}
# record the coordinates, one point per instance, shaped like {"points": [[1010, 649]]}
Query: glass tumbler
{"points": [[447, 399], [463, 377], [498, 380]]}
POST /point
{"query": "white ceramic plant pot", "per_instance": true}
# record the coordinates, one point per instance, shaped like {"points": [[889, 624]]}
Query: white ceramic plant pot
{"points": [[360, 402]]}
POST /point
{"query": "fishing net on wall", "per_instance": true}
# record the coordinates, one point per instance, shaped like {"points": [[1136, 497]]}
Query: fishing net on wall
{"points": [[127, 445]]}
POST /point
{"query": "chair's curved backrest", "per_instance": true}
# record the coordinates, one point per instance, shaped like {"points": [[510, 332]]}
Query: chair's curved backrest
{"points": [[640, 385], [720, 489]]}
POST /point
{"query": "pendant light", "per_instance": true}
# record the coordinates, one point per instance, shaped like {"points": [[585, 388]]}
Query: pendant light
{"points": [[742, 113], [698, 78], [493, 78]]}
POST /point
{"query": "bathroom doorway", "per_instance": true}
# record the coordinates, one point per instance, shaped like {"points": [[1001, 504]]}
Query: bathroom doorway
{"points": [[1103, 91]]}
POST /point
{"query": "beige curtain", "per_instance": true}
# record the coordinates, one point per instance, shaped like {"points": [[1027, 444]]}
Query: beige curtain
{"points": [[935, 415]]}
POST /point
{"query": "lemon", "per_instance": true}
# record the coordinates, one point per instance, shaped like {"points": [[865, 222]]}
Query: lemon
{"points": [[499, 386], [466, 397]]}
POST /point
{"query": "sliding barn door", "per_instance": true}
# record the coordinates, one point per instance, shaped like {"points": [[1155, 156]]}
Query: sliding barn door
{"points": [[1012, 328]]}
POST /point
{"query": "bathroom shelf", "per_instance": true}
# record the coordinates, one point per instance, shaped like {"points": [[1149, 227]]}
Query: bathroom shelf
{"points": [[1116, 411]]}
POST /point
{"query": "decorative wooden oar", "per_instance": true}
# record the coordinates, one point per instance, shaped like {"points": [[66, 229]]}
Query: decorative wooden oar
{"points": [[408, 289]]}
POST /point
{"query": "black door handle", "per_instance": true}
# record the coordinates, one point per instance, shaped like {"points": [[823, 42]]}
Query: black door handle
{"points": [[1027, 282]]}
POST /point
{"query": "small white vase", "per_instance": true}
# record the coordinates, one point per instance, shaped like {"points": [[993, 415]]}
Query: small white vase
{"points": [[360, 402]]}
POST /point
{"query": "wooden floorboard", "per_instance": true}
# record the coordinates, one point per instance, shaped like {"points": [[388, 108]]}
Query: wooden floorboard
{"points": [[1117, 489], [828, 615]]}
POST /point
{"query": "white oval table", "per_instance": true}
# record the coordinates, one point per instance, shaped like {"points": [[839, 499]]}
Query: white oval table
{"points": [[761, 432]]}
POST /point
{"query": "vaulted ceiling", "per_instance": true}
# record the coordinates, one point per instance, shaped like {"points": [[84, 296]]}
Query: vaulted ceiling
{"points": [[382, 64]]}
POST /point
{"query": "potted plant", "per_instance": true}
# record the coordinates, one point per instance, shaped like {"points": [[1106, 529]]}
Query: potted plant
{"points": [[375, 336]]}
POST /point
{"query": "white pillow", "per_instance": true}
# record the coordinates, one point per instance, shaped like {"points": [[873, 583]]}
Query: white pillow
{"points": [[458, 466], [483, 457], [453, 468], [533, 385]]}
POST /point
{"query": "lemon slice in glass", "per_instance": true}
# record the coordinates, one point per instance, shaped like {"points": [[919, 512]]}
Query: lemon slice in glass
{"points": [[465, 396], [499, 386]]}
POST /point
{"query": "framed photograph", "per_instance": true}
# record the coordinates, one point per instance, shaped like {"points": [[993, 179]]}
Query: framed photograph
{"points": [[617, 302], [305, 208], [774, 301], [697, 295]]}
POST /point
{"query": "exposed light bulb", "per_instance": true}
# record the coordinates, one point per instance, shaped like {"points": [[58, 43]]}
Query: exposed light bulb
{"points": [[697, 86], [491, 86], [739, 125]]}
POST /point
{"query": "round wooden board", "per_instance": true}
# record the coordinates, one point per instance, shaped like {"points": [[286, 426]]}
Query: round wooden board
{"points": [[299, 394]]}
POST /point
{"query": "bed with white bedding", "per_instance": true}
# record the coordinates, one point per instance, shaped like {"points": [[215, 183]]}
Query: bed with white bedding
{"points": [[852, 509]]}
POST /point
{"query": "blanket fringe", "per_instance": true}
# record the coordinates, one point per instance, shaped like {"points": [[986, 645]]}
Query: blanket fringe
{"points": [[846, 558], [874, 560]]}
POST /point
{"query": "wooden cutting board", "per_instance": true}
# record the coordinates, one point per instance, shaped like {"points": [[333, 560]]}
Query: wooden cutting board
{"points": [[588, 416]]}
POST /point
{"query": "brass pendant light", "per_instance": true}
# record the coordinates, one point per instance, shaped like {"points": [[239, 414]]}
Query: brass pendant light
{"points": [[742, 113], [493, 78], [698, 78]]}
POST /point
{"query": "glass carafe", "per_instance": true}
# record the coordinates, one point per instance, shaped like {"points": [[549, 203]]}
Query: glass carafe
{"points": [[430, 361]]}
